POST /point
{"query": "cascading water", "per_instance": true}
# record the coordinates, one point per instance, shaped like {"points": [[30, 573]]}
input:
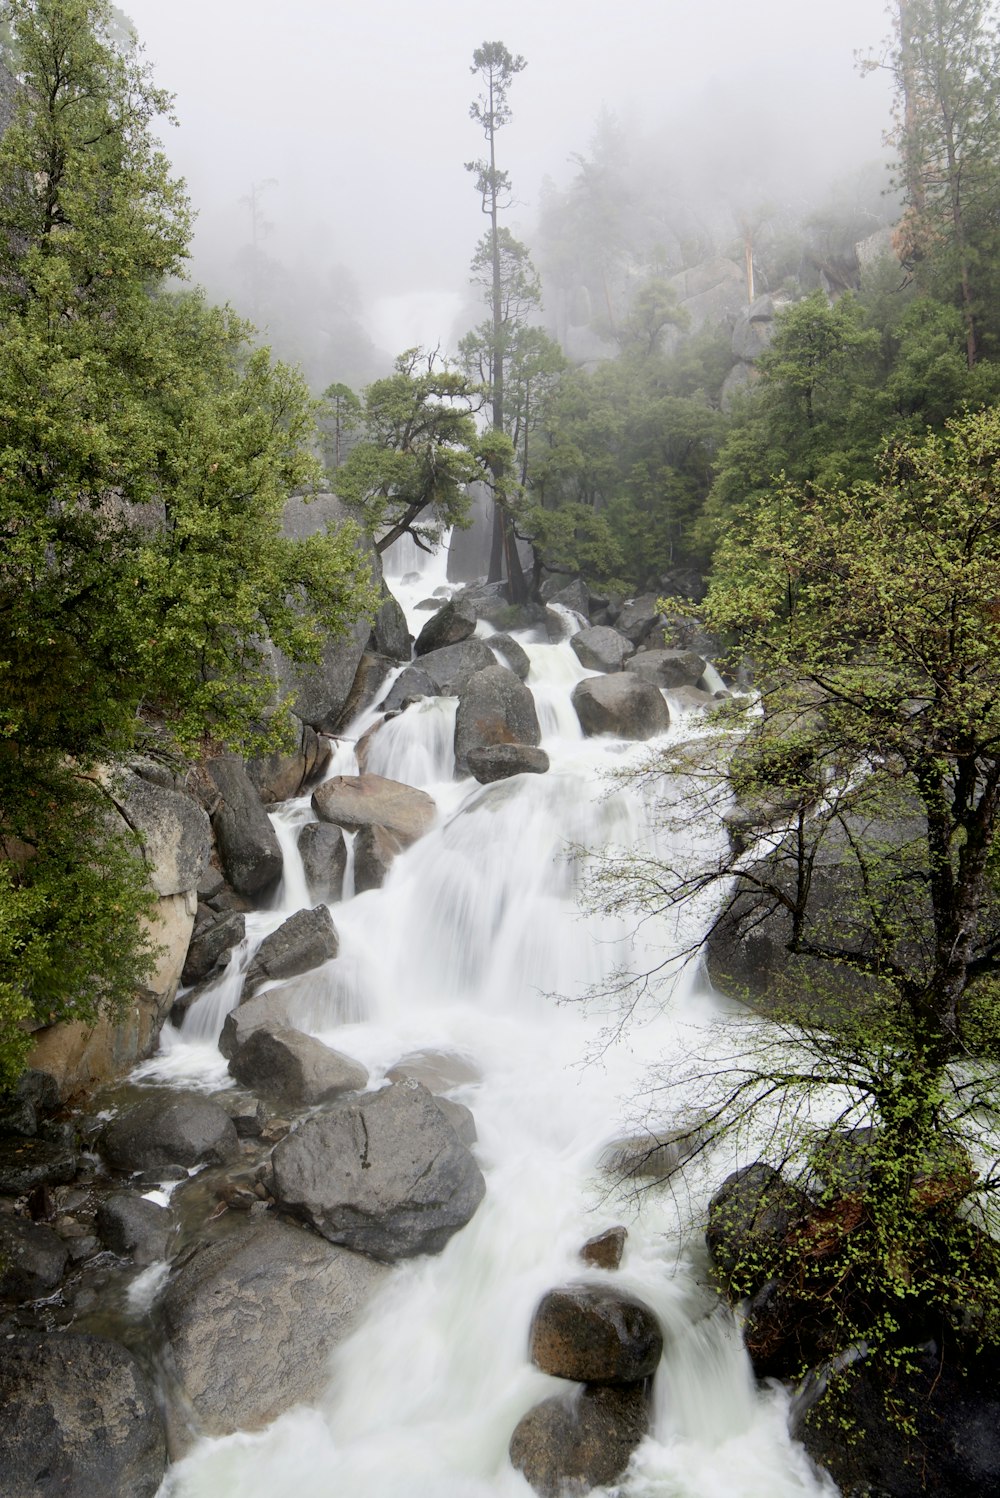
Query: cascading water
{"points": [[477, 945]]}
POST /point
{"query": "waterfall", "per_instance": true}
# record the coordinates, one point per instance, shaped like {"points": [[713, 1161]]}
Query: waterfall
{"points": [[478, 944]]}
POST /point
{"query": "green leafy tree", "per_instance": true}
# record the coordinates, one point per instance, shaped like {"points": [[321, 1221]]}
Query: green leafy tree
{"points": [[421, 449], [146, 455], [871, 616]]}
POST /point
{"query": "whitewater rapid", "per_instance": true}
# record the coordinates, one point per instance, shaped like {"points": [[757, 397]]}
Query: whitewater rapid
{"points": [[479, 944]]}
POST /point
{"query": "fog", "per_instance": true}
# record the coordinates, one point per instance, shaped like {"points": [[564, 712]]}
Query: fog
{"points": [[350, 124]]}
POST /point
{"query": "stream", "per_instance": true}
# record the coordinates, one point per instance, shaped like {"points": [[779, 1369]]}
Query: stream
{"points": [[479, 945]]}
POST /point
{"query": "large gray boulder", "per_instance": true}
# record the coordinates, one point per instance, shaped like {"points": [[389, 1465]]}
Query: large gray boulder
{"points": [[601, 648], [567, 1446], [622, 704], [455, 622], [32, 1259], [638, 617], [450, 668], [500, 761], [390, 635], [495, 707], [375, 851], [248, 845], [324, 860], [25, 1163], [413, 682], [512, 654], [283, 774], [175, 832], [749, 1219], [293, 1069], [384, 1174], [306, 940], [129, 1224], [214, 938], [747, 948], [77, 1419], [278, 1009], [250, 1323], [356, 801], [595, 1334], [171, 1129], [668, 668]]}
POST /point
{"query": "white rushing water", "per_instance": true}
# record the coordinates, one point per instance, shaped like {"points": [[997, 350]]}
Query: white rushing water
{"points": [[477, 944]]}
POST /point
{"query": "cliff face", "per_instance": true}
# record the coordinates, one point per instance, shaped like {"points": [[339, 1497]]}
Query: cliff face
{"points": [[8, 97]]}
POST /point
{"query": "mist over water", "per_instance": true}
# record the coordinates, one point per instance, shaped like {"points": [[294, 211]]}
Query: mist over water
{"points": [[352, 123]]}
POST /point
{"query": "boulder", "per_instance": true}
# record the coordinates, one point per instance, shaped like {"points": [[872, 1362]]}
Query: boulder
{"points": [[622, 704], [494, 708], [32, 1259], [390, 634], [746, 949], [356, 801], [605, 1250], [951, 1447], [306, 940], [668, 668], [455, 622], [369, 679], [274, 1010], [595, 1334], [248, 845], [460, 1118], [501, 761], [321, 691], [413, 682], [601, 648], [22, 1106], [129, 1224], [653, 1156], [384, 1174], [281, 775], [251, 1321], [324, 860], [211, 944], [293, 1069], [375, 849], [574, 595], [77, 1418], [638, 617], [450, 668], [749, 1217], [567, 1446], [170, 1129], [512, 654], [175, 832], [438, 1071], [26, 1163]]}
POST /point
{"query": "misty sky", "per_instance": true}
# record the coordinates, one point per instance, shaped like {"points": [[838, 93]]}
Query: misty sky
{"points": [[359, 110]]}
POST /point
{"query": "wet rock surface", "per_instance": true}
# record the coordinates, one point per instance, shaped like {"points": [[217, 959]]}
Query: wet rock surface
{"points": [[250, 1322], [32, 1259], [605, 1250], [77, 1420], [303, 942], [455, 622], [495, 707], [356, 801], [129, 1224], [384, 1174], [595, 1334], [180, 1129], [494, 762], [621, 704], [602, 648], [293, 1069], [324, 860], [567, 1446]]}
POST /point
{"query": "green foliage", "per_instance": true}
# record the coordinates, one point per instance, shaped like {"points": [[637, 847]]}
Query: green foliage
{"points": [[421, 450], [73, 897], [635, 441], [146, 455]]}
